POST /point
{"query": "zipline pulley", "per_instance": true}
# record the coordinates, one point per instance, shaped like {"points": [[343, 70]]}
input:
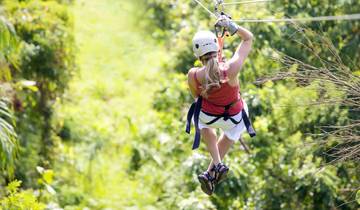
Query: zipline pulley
{"points": [[220, 31]]}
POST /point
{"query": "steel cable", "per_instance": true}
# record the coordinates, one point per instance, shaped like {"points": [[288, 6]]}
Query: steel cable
{"points": [[270, 20]]}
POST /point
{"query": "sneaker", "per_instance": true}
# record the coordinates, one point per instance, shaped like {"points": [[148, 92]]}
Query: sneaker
{"points": [[207, 183], [221, 171]]}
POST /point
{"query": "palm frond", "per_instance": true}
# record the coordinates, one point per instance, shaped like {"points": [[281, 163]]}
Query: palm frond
{"points": [[8, 138]]}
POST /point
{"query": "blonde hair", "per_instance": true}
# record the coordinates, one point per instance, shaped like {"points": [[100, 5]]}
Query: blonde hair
{"points": [[212, 73]]}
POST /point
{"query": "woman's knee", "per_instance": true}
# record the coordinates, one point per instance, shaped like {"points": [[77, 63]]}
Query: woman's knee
{"points": [[226, 140], [208, 134]]}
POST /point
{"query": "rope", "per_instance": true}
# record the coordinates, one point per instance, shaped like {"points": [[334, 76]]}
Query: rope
{"points": [[245, 2], [211, 13], [309, 19]]}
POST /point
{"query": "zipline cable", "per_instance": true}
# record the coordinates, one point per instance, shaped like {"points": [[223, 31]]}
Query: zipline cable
{"points": [[211, 13], [309, 19], [245, 2]]}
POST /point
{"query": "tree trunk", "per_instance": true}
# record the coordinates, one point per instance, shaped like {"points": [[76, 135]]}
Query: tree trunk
{"points": [[45, 110]]}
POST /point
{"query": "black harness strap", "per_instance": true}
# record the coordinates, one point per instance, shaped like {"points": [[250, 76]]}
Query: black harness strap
{"points": [[218, 117], [224, 115], [214, 120]]}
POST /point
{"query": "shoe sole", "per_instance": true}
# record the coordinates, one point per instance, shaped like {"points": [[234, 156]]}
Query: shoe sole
{"points": [[222, 176], [204, 185]]}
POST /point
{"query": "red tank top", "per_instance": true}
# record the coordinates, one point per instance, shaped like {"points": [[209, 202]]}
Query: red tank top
{"points": [[220, 97]]}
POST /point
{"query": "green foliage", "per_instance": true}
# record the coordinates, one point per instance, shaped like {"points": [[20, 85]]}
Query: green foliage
{"points": [[47, 177], [45, 28], [282, 171], [19, 200], [8, 47], [344, 40], [176, 22], [8, 139], [116, 138], [45, 66]]}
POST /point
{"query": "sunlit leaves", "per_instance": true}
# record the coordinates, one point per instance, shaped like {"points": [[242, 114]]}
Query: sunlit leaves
{"points": [[13, 186], [8, 46], [47, 177], [44, 47], [19, 200]]}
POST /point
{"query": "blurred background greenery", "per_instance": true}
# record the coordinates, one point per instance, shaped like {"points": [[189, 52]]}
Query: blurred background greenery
{"points": [[94, 94]]}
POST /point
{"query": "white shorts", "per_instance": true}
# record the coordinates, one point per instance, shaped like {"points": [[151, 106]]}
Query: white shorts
{"points": [[231, 131]]}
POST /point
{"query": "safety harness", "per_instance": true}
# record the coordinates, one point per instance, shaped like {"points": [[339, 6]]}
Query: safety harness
{"points": [[225, 115], [194, 112]]}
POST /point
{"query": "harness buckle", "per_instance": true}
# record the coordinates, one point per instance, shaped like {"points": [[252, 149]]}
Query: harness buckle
{"points": [[226, 112]]}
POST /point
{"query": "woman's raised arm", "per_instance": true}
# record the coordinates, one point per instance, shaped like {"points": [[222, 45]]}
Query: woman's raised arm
{"points": [[242, 51]]}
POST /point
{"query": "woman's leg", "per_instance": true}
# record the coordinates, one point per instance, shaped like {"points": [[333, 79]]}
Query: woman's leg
{"points": [[210, 140], [223, 145]]}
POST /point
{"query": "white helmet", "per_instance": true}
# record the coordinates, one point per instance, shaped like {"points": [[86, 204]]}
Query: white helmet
{"points": [[204, 42]]}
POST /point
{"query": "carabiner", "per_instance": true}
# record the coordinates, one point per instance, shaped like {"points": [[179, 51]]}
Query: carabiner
{"points": [[219, 31]]}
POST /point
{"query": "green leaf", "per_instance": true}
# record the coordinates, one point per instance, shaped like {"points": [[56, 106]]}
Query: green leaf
{"points": [[31, 85], [5, 73], [13, 186], [48, 176], [358, 196], [294, 68]]}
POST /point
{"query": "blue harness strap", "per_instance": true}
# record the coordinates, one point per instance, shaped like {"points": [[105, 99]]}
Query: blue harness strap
{"points": [[194, 111], [189, 117], [247, 123]]}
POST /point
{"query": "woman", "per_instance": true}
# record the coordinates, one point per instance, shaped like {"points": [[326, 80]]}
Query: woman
{"points": [[215, 85]]}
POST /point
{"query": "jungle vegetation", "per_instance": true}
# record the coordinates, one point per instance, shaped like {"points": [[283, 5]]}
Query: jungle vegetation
{"points": [[94, 97]]}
